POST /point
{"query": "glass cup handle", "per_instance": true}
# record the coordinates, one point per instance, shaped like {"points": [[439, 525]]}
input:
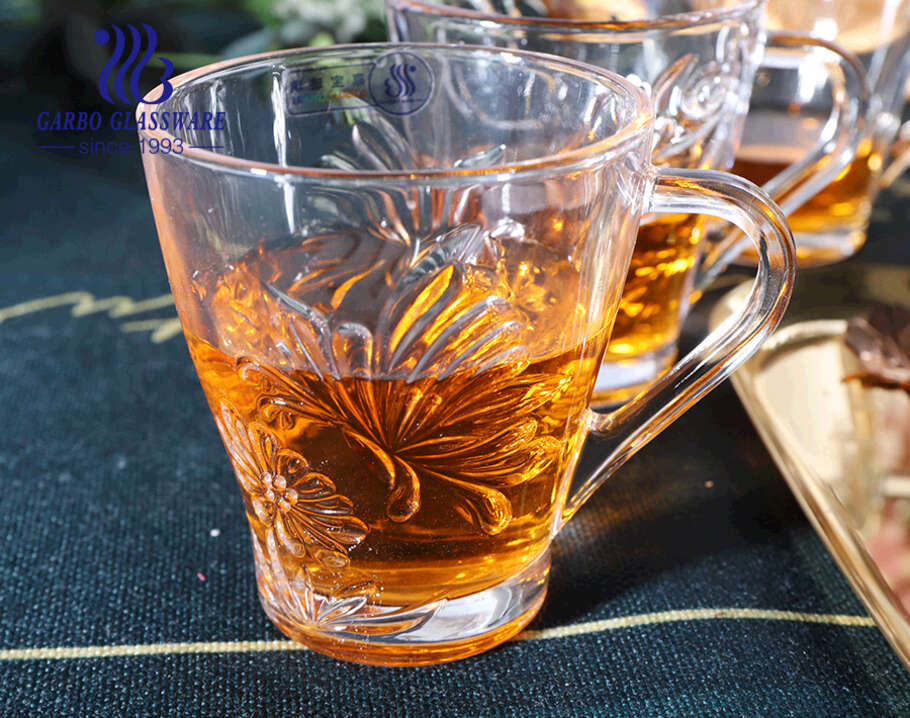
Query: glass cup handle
{"points": [[834, 151], [898, 159], [731, 198]]}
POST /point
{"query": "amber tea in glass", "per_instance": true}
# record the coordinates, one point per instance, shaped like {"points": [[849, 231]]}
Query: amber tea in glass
{"points": [[397, 298], [841, 208], [656, 294], [451, 467]]}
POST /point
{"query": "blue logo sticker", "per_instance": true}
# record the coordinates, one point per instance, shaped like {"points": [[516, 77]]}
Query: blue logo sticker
{"points": [[102, 37], [398, 83]]}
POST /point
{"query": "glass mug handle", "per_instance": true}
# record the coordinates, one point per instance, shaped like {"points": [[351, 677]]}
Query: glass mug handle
{"points": [[898, 158], [834, 151], [740, 202]]}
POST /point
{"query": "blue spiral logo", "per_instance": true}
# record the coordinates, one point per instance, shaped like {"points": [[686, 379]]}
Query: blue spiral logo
{"points": [[404, 85], [102, 37], [400, 83]]}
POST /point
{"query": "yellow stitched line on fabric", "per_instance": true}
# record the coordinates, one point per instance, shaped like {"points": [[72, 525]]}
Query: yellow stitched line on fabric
{"points": [[149, 649], [696, 614], [609, 624]]}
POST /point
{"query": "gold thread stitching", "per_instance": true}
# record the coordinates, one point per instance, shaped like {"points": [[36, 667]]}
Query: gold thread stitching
{"points": [[609, 624]]}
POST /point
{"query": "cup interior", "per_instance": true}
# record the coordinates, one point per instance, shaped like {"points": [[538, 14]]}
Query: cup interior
{"points": [[406, 108]]}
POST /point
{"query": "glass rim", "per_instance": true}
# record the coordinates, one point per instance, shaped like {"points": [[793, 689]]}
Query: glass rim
{"points": [[672, 21], [638, 123]]}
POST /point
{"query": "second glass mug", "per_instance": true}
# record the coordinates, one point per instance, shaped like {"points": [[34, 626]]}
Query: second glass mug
{"points": [[397, 278], [697, 59], [789, 103]]}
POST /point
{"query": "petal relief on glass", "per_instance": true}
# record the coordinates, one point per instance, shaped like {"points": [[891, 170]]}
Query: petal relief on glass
{"points": [[446, 318], [359, 331], [299, 507]]}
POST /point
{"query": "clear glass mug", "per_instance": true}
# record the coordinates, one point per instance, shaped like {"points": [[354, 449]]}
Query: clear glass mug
{"points": [[697, 59], [397, 276], [791, 101]]}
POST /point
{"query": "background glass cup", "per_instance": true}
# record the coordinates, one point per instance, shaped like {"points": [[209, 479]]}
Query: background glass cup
{"points": [[791, 101], [397, 277], [697, 59]]}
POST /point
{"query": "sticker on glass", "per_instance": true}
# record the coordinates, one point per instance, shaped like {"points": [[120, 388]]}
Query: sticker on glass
{"points": [[398, 83]]}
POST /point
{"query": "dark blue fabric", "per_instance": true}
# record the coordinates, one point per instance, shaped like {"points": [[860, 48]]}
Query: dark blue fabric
{"points": [[112, 478]]}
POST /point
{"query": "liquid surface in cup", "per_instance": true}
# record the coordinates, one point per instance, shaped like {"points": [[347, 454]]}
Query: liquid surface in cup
{"points": [[657, 286], [418, 459]]}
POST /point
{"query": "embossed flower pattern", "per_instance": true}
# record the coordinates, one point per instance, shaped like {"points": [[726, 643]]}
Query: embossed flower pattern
{"points": [[298, 505], [403, 299], [448, 318]]}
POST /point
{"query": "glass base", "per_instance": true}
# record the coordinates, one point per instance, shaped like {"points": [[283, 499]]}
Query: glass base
{"points": [[445, 630], [620, 379]]}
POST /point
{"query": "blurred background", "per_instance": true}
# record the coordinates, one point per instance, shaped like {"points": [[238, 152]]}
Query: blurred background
{"points": [[47, 49]]}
